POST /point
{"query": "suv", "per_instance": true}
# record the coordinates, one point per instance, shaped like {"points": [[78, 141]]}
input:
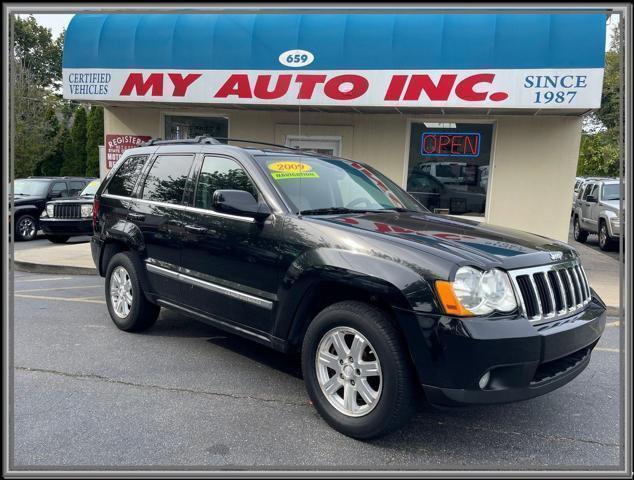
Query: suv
{"points": [[68, 217], [597, 211], [30, 196], [327, 257]]}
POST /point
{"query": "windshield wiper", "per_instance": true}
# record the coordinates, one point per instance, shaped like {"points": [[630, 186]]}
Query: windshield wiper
{"points": [[328, 211], [336, 210]]}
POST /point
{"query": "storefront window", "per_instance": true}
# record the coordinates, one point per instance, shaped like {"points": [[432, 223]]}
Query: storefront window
{"points": [[449, 166], [178, 127]]}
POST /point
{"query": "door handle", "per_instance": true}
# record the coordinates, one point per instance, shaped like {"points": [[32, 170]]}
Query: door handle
{"points": [[136, 216], [195, 229]]}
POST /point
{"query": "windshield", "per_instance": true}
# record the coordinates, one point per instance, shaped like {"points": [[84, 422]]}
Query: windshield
{"points": [[90, 189], [611, 191], [30, 187], [314, 185]]}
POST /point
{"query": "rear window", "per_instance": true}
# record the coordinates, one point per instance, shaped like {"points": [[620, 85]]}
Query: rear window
{"points": [[125, 178], [167, 178]]}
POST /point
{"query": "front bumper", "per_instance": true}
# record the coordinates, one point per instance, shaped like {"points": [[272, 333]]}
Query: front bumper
{"points": [[54, 226], [523, 360]]}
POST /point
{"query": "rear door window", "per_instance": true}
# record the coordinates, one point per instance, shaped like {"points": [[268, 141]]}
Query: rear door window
{"points": [[586, 190], [167, 177], [125, 178]]}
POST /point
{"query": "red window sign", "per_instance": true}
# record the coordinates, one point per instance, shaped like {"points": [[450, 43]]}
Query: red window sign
{"points": [[117, 144], [453, 144]]}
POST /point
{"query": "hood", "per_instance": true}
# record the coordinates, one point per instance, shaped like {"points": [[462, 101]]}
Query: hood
{"points": [[614, 204], [23, 199], [468, 242], [83, 199]]}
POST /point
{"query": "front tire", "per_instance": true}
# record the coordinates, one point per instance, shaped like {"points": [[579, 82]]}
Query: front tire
{"points": [[25, 228], [357, 372], [579, 233], [129, 309], [606, 243]]}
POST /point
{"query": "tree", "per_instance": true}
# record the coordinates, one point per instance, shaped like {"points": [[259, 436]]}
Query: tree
{"points": [[600, 143], [35, 50], [94, 138], [35, 72], [75, 150]]}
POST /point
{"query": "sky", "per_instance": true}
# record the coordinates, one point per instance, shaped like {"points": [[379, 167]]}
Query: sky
{"points": [[59, 21]]}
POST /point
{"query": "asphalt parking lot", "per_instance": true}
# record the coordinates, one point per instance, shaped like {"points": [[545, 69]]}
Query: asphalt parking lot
{"points": [[186, 395]]}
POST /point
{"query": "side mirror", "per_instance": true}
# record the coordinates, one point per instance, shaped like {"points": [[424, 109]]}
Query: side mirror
{"points": [[239, 202], [591, 199], [55, 195]]}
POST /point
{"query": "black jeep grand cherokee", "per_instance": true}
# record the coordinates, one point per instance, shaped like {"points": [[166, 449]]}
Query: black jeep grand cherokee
{"points": [[328, 257]]}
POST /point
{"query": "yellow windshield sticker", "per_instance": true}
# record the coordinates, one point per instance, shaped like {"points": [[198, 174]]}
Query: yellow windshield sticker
{"points": [[93, 183], [282, 170]]}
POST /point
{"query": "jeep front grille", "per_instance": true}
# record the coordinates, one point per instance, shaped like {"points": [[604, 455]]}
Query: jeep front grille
{"points": [[63, 210], [551, 291]]}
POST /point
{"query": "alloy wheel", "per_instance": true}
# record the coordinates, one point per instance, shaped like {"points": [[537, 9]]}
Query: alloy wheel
{"points": [[603, 236], [121, 292], [26, 227], [349, 371]]}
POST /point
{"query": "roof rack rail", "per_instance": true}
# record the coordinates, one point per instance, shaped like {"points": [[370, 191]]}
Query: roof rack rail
{"points": [[198, 139]]}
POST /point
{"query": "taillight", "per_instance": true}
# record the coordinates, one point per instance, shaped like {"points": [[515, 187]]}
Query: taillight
{"points": [[95, 213]]}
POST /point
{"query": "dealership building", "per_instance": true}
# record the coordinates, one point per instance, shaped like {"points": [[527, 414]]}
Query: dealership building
{"points": [[474, 114]]}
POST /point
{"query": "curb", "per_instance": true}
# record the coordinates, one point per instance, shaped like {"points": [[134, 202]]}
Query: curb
{"points": [[21, 266]]}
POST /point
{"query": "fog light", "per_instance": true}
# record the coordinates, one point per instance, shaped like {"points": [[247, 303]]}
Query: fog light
{"points": [[484, 380]]}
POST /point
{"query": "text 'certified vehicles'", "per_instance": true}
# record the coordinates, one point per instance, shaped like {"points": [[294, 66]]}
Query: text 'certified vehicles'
{"points": [[328, 257], [597, 210], [30, 196], [68, 217]]}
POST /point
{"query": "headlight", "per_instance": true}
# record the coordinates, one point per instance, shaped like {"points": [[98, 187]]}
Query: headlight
{"points": [[43, 214], [86, 211], [474, 292], [50, 210]]}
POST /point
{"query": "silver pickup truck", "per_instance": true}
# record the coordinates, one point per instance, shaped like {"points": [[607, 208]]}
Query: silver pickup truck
{"points": [[597, 210]]}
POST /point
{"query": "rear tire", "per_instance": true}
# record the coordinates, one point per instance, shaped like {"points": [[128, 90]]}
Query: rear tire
{"points": [[579, 233], [57, 238], [129, 309], [391, 392]]}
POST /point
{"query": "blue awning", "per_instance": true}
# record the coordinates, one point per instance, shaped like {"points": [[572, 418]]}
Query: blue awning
{"points": [[337, 41]]}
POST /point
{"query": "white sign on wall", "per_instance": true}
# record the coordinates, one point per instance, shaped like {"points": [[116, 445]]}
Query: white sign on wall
{"points": [[576, 88]]}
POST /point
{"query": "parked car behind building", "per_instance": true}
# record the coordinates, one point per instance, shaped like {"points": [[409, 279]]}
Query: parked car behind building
{"points": [[597, 211], [69, 217], [30, 196]]}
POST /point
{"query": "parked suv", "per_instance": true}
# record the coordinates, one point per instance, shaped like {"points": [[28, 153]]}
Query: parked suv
{"points": [[68, 217], [30, 196], [329, 258], [597, 211]]}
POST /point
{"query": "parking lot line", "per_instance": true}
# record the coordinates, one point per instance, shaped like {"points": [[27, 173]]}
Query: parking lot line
{"points": [[606, 349], [63, 299], [612, 324], [57, 288], [43, 279]]}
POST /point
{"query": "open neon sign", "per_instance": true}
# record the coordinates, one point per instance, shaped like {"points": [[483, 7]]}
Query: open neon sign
{"points": [[441, 144]]}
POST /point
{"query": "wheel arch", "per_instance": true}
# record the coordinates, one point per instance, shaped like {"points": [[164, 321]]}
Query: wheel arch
{"points": [[316, 281]]}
